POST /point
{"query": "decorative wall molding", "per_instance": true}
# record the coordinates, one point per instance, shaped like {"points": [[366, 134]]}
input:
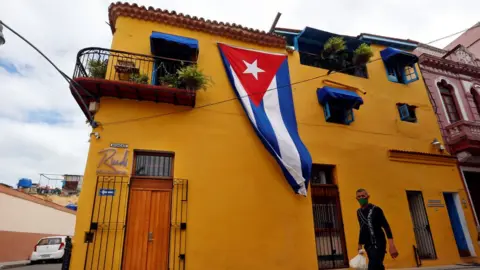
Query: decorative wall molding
{"points": [[422, 158]]}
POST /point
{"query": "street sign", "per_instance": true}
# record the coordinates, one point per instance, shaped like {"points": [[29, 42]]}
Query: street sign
{"points": [[119, 145], [106, 192]]}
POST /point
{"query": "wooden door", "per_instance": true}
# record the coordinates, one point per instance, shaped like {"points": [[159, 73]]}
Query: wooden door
{"points": [[148, 225], [159, 230]]}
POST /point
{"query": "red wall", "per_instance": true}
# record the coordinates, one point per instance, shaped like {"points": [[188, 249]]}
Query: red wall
{"points": [[17, 246]]}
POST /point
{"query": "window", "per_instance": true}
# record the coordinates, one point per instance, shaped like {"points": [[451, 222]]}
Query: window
{"points": [[449, 101], [322, 175], [337, 113], [407, 112], [172, 53], [54, 241], [400, 65], [154, 164], [401, 74], [43, 242], [476, 99], [338, 104]]}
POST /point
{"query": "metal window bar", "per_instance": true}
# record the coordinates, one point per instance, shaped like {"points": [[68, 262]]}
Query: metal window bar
{"points": [[107, 223], [329, 234], [421, 226], [120, 65], [153, 165], [178, 224]]}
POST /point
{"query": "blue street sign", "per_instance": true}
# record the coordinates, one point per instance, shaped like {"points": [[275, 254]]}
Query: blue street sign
{"points": [[106, 192]]}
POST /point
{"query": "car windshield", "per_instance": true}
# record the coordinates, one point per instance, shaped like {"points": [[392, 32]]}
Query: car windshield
{"points": [[43, 241], [54, 241]]}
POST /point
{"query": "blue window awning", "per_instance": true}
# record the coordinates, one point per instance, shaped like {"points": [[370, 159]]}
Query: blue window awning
{"points": [[311, 40], [157, 36], [392, 55], [347, 98]]}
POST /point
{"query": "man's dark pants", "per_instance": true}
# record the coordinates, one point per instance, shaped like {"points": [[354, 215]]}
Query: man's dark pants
{"points": [[375, 257]]}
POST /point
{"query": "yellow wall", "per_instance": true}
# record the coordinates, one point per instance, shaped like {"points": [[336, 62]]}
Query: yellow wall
{"points": [[241, 212]]}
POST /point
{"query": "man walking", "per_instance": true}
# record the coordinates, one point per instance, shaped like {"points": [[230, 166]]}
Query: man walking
{"points": [[372, 237]]}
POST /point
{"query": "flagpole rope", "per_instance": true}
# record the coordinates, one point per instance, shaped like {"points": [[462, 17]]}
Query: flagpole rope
{"points": [[271, 89]]}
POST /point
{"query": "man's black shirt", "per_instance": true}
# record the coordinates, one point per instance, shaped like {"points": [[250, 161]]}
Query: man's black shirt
{"points": [[378, 221]]}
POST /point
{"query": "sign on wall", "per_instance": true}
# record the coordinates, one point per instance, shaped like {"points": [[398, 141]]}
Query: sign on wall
{"points": [[113, 161], [106, 192], [435, 203]]}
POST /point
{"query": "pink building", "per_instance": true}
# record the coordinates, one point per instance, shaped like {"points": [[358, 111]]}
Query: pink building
{"points": [[470, 40], [452, 76]]}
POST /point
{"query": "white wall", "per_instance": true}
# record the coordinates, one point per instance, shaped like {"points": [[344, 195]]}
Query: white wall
{"points": [[19, 215]]}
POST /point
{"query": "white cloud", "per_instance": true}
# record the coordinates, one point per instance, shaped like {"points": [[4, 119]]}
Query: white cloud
{"points": [[61, 28]]}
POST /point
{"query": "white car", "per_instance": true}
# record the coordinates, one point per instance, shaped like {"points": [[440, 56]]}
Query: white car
{"points": [[49, 248]]}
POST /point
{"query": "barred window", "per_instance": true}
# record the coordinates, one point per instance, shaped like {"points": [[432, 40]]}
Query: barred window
{"points": [[153, 165]]}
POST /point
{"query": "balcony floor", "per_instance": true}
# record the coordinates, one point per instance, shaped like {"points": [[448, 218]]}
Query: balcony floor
{"points": [[128, 90]]}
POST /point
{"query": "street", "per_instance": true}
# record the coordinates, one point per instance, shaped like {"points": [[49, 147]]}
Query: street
{"points": [[49, 266]]}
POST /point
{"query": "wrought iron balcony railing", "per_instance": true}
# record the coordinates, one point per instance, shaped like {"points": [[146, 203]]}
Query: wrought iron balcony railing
{"points": [[105, 72], [125, 66]]}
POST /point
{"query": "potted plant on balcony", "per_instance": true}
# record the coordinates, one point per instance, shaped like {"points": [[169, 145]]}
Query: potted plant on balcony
{"points": [[334, 53], [361, 56], [139, 78], [97, 68], [193, 78], [169, 80]]}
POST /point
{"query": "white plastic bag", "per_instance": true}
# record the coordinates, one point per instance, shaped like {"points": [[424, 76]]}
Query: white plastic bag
{"points": [[359, 262]]}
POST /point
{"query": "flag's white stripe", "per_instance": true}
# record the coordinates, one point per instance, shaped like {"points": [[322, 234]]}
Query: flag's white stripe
{"points": [[243, 96], [288, 150], [296, 170]]}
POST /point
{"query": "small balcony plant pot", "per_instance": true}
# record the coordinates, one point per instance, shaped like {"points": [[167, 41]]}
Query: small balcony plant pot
{"points": [[193, 78]]}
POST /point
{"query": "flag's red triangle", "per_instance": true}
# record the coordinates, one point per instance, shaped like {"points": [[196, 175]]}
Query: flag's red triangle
{"points": [[247, 63]]}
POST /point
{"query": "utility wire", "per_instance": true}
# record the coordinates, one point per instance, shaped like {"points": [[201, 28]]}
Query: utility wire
{"points": [[271, 89], [70, 81]]}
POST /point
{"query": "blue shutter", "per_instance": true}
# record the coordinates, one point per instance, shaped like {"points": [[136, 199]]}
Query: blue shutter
{"points": [[392, 73], [154, 73], [326, 111], [349, 116], [404, 114]]}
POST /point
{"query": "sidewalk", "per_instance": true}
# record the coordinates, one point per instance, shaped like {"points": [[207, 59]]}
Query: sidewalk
{"points": [[7, 265], [447, 267]]}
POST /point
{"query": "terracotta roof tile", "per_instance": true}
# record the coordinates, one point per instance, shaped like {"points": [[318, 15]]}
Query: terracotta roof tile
{"points": [[233, 31]]}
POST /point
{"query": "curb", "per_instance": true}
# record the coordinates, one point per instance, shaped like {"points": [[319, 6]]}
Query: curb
{"points": [[14, 264]]}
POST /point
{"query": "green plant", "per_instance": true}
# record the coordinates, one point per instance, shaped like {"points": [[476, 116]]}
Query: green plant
{"points": [[170, 80], [97, 68], [362, 54], [139, 78], [334, 45], [193, 78]]}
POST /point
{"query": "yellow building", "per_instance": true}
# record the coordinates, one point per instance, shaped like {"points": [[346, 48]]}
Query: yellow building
{"points": [[178, 179]]}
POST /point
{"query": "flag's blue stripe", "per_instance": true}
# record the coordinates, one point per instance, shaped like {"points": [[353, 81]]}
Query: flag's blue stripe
{"points": [[270, 141], [288, 114], [264, 126]]}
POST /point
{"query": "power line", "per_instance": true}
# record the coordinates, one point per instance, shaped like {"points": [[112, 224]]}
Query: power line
{"points": [[248, 95]]}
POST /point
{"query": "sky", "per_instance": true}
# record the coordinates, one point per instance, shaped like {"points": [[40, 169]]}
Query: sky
{"points": [[42, 129]]}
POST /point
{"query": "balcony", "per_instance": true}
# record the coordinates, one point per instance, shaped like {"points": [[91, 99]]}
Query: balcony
{"points": [[111, 73], [464, 136]]}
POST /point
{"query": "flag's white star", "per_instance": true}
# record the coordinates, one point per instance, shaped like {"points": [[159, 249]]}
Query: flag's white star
{"points": [[252, 69]]}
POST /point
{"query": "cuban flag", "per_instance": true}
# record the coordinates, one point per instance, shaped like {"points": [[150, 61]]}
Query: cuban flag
{"points": [[262, 83]]}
